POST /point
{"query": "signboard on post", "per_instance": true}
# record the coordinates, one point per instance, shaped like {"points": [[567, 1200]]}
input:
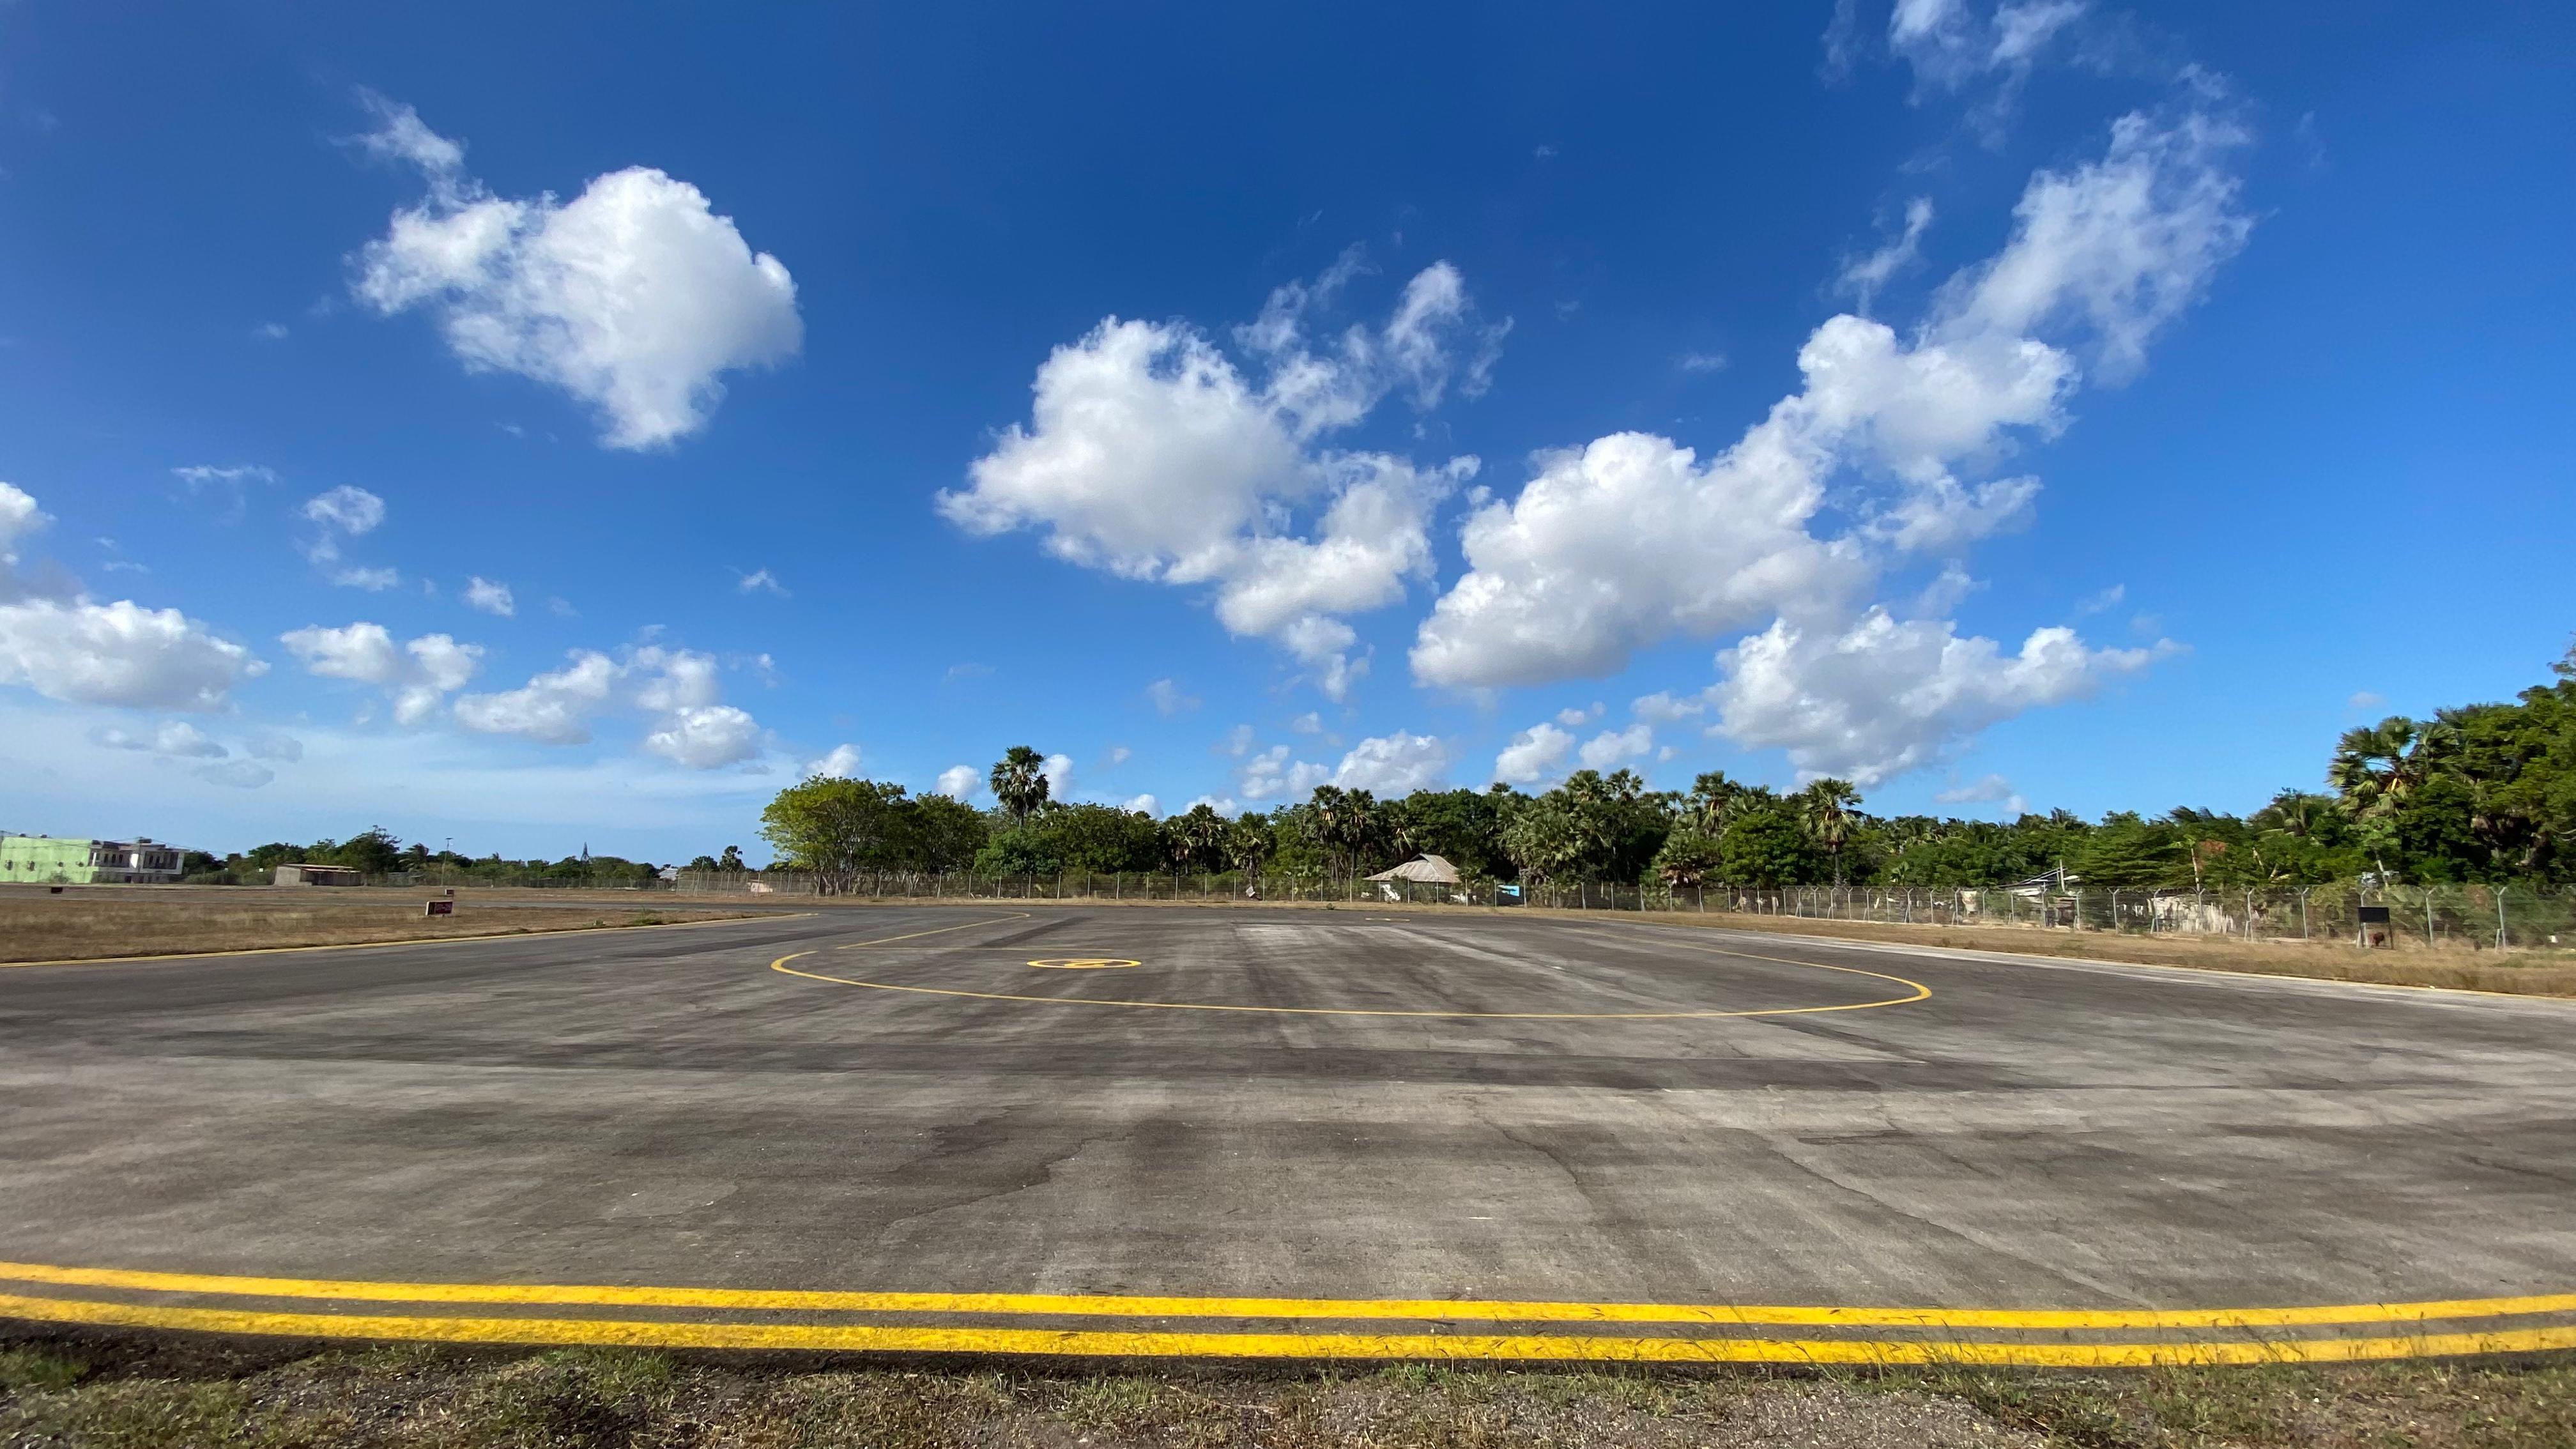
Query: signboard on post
{"points": [[438, 908], [2374, 924]]}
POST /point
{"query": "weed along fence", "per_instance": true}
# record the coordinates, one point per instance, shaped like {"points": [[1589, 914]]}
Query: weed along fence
{"points": [[2474, 917]]}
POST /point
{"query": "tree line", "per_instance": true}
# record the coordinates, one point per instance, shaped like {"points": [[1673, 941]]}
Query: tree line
{"points": [[377, 851], [2483, 793]]}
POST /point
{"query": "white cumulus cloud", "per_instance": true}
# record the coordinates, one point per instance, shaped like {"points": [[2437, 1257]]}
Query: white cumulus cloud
{"points": [[18, 518], [678, 691], [1610, 749], [120, 653], [634, 297], [65, 646], [490, 597], [1533, 755], [705, 737], [959, 782], [554, 708], [1633, 539], [1150, 454], [1884, 696], [418, 676], [841, 764], [1396, 764]]}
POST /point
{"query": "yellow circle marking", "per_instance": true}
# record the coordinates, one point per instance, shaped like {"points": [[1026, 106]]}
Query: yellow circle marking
{"points": [[1915, 991], [1082, 963]]}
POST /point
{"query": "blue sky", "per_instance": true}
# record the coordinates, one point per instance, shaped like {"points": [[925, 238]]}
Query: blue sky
{"points": [[567, 427]]}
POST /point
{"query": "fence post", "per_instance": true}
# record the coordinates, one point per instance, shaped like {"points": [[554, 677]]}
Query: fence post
{"points": [[2500, 937], [2428, 918]]}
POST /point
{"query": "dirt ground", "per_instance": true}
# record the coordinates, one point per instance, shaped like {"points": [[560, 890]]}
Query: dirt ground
{"points": [[92, 925], [176, 1392]]}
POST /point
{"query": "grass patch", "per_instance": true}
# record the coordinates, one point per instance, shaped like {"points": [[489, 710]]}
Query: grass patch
{"points": [[165, 1393], [38, 1370]]}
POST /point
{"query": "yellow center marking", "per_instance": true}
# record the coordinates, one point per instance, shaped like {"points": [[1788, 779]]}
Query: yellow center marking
{"points": [[1119, 1305], [1082, 963], [2399, 1332]]}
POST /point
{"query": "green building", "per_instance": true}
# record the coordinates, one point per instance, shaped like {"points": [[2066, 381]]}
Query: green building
{"points": [[53, 860]]}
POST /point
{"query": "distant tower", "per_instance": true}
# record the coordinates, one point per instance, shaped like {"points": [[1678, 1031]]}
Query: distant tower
{"points": [[585, 852]]}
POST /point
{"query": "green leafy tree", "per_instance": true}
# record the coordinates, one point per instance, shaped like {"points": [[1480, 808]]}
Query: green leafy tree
{"points": [[1766, 846], [2126, 853], [835, 828], [1689, 859], [946, 833], [376, 852]]}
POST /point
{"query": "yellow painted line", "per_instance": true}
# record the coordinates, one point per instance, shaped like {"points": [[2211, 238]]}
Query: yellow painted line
{"points": [[1097, 1343], [1920, 992], [486, 940], [1084, 963], [1145, 1306]]}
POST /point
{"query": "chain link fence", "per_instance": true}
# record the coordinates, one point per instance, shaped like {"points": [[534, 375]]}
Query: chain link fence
{"points": [[2403, 917]]}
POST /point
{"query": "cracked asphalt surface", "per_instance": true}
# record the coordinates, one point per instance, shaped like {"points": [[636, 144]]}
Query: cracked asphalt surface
{"points": [[661, 1107]]}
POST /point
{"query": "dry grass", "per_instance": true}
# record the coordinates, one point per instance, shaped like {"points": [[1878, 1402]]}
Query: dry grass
{"points": [[169, 1392], [2522, 973], [89, 926]]}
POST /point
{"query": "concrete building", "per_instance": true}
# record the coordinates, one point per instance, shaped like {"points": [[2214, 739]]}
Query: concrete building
{"points": [[57, 860]]}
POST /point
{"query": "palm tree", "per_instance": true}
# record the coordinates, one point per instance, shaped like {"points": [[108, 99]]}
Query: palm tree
{"points": [[1829, 808], [1019, 781], [2376, 767], [1361, 818], [1543, 839], [1198, 837], [1247, 846]]}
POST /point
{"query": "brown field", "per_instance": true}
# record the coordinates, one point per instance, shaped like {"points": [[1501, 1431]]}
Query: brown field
{"points": [[181, 1393], [2520, 973], [102, 923]]}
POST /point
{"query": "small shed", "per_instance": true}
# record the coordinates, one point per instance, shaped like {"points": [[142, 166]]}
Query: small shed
{"points": [[319, 875], [1428, 868]]}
